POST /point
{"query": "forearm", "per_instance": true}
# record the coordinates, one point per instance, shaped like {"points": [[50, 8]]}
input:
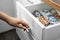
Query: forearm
{"points": [[4, 16]]}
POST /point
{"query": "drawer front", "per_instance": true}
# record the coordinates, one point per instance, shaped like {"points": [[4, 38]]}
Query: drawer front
{"points": [[52, 33], [35, 27]]}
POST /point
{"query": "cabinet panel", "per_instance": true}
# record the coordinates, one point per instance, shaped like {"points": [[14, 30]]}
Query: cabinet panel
{"points": [[35, 27]]}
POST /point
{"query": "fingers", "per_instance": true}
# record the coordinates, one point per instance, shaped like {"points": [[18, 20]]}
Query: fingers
{"points": [[22, 27], [24, 24]]}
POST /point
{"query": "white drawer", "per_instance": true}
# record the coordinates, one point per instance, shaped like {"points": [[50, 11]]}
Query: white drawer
{"points": [[29, 2], [39, 31]]}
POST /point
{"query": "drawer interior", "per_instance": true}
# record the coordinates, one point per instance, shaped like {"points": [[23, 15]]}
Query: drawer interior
{"points": [[41, 7]]}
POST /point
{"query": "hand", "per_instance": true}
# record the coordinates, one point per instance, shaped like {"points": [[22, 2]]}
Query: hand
{"points": [[13, 21], [17, 23]]}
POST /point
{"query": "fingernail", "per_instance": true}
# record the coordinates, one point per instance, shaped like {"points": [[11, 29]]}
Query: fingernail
{"points": [[25, 28]]}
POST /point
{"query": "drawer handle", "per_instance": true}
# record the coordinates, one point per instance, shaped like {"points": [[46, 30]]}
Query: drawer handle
{"points": [[32, 37], [30, 1]]}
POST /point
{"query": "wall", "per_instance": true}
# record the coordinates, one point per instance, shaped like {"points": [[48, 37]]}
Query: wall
{"points": [[7, 6]]}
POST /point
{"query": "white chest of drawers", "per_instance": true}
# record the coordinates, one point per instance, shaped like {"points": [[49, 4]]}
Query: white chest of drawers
{"points": [[39, 31]]}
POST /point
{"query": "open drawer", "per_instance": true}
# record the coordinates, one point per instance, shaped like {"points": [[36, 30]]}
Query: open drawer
{"points": [[39, 31], [29, 2]]}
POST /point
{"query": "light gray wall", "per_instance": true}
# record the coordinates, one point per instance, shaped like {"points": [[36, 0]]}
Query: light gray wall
{"points": [[7, 6]]}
